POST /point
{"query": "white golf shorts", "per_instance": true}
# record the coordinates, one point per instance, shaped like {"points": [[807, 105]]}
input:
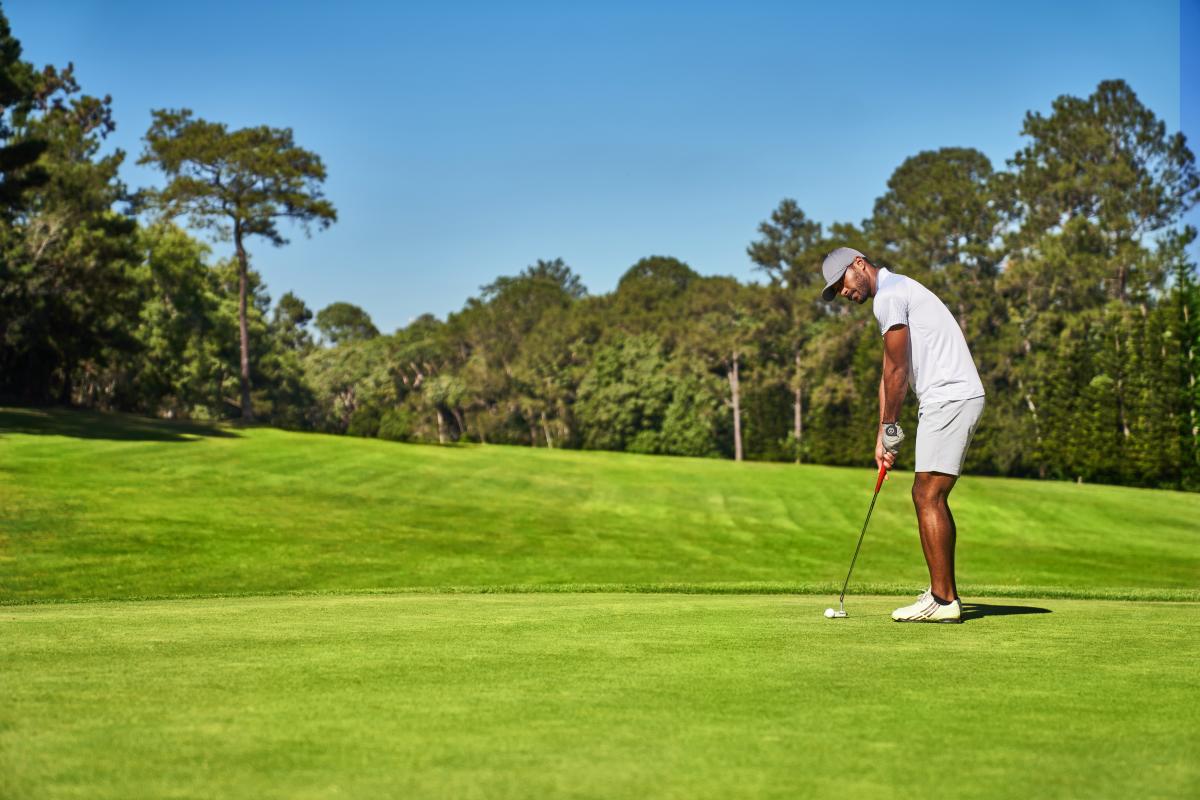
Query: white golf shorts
{"points": [[944, 432]]}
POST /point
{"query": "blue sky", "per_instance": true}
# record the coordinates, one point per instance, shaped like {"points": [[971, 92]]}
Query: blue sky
{"points": [[466, 140]]}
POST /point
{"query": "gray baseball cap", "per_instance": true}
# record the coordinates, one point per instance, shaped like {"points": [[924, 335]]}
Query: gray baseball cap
{"points": [[834, 267]]}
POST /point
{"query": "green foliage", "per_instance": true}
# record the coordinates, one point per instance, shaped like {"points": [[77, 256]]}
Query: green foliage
{"points": [[290, 323], [1180, 320], [237, 184], [652, 286], [345, 322], [624, 396], [787, 249], [941, 210], [397, 425], [1108, 159], [66, 253], [364, 421], [692, 421], [20, 90], [552, 280], [355, 375], [177, 367]]}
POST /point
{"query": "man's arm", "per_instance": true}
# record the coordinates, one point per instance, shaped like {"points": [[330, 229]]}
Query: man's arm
{"points": [[893, 384]]}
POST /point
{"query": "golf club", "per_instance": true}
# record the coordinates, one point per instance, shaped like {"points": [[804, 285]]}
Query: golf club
{"points": [[841, 610]]}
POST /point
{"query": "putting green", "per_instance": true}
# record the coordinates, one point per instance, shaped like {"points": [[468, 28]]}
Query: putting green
{"points": [[585, 695]]}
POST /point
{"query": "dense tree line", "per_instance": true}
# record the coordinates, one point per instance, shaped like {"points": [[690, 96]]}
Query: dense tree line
{"points": [[1066, 269]]}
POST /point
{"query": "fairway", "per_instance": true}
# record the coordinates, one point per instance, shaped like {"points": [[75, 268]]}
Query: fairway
{"points": [[509, 696], [190, 610], [100, 506]]}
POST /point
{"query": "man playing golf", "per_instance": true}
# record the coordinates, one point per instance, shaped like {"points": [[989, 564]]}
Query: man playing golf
{"points": [[922, 347]]}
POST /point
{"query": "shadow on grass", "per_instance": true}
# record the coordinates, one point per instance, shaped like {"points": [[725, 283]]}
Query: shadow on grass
{"points": [[972, 611], [96, 425]]}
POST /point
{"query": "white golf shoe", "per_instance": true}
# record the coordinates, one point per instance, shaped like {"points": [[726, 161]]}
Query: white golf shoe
{"points": [[926, 609]]}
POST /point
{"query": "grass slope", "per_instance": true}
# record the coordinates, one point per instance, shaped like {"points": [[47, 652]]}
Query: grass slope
{"points": [[498, 696], [106, 506]]}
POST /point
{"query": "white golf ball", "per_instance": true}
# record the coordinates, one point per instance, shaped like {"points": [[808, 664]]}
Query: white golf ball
{"points": [[829, 613]]}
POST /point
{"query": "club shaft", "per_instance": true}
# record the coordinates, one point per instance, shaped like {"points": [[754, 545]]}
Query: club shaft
{"points": [[842, 597]]}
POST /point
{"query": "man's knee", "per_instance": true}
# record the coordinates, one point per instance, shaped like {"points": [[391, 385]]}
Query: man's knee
{"points": [[922, 494], [931, 489]]}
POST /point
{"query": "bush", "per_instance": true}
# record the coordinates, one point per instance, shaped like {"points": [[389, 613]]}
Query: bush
{"points": [[648, 442], [688, 429], [397, 425], [364, 421]]}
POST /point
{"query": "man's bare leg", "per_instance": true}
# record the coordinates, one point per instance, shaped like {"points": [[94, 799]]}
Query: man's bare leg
{"points": [[931, 492]]}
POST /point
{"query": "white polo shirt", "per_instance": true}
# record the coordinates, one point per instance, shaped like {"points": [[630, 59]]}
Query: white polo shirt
{"points": [[940, 364]]}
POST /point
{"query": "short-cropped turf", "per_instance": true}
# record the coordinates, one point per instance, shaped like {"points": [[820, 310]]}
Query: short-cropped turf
{"points": [[561, 695]]}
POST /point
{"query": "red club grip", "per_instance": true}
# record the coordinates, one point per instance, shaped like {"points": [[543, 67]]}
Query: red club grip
{"points": [[882, 474]]}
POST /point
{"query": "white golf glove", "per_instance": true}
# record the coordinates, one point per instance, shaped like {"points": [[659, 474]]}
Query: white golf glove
{"points": [[892, 436]]}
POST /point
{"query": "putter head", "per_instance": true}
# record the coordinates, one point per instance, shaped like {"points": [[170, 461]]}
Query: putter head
{"points": [[838, 614]]}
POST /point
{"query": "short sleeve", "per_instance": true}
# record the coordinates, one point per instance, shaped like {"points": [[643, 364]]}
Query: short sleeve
{"points": [[890, 309]]}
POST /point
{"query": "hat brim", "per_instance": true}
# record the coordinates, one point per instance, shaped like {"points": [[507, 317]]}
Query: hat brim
{"points": [[828, 293]]}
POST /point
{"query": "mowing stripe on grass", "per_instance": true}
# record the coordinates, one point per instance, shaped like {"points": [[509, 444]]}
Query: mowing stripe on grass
{"points": [[111, 506]]}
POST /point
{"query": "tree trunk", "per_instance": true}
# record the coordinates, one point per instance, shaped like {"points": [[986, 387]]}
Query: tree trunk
{"points": [[1120, 387], [1037, 431], [441, 423], [798, 409], [737, 409], [564, 425], [546, 431], [462, 423], [1028, 395], [243, 280]]}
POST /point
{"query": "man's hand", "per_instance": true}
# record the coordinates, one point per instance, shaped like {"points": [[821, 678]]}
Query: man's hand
{"points": [[887, 444], [882, 456], [891, 434]]}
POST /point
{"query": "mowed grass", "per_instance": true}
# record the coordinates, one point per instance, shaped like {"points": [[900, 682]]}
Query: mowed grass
{"points": [[313, 660], [596, 695], [109, 506]]}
